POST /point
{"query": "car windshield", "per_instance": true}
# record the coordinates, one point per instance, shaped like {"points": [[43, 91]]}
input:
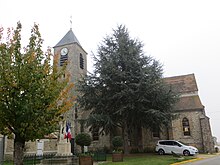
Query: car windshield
{"points": [[182, 143]]}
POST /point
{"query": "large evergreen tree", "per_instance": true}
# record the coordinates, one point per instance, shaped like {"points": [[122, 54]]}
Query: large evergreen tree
{"points": [[126, 88], [33, 94]]}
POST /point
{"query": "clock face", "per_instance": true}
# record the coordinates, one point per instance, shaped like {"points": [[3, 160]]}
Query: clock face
{"points": [[64, 51]]}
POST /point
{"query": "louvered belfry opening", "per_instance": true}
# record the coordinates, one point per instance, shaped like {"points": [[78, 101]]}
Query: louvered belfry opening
{"points": [[81, 60], [63, 59]]}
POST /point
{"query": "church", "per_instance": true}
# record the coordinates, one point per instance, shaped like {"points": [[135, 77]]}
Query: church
{"points": [[191, 125]]}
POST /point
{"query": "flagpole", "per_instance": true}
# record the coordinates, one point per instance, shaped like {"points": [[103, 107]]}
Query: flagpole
{"points": [[67, 128]]}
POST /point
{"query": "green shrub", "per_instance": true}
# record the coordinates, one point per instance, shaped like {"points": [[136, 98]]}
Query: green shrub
{"points": [[117, 142], [134, 150], [83, 139], [216, 149]]}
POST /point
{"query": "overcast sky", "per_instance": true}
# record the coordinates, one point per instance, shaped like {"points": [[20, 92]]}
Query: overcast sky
{"points": [[183, 35]]}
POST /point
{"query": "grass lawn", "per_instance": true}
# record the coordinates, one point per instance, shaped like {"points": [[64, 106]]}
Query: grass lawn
{"points": [[139, 159], [147, 159]]}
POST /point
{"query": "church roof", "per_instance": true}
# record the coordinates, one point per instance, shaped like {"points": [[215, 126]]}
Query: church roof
{"points": [[186, 86], [182, 84], [69, 38], [189, 103]]}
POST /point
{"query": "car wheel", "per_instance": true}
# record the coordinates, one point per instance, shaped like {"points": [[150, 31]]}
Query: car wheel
{"points": [[161, 152], [186, 153]]}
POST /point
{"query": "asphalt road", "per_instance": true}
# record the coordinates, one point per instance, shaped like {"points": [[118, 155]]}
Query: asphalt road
{"points": [[209, 161]]}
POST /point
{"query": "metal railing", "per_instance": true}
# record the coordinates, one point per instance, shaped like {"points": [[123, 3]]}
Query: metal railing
{"points": [[47, 159], [99, 156]]}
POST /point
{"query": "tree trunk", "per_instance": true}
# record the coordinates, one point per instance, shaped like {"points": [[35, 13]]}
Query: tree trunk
{"points": [[137, 138], [19, 144], [82, 149], [125, 137]]}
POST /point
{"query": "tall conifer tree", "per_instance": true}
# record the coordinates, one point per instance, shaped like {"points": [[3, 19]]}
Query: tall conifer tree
{"points": [[126, 89]]}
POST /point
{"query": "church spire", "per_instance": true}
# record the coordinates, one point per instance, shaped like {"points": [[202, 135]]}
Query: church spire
{"points": [[69, 38]]}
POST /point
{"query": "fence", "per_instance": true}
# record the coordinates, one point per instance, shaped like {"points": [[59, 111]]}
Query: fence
{"points": [[53, 159], [99, 156], [48, 159]]}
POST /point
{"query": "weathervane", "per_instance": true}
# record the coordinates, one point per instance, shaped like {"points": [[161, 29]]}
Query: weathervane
{"points": [[71, 22]]}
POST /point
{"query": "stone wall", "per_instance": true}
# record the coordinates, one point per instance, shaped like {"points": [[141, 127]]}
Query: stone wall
{"points": [[9, 148], [196, 129], [31, 147], [149, 142], [103, 142], [50, 146], [208, 142]]}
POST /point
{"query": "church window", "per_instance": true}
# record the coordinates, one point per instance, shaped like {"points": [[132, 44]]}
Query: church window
{"points": [[186, 127], [81, 61], [95, 134], [156, 133]]}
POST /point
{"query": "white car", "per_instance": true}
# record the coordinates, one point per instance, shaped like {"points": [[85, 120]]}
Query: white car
{"points": [[169, 146]]}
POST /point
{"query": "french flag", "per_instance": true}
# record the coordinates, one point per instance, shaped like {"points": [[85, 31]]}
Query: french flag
{"points": [[68, 132]]}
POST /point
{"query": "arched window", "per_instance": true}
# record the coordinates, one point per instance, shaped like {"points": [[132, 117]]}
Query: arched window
{"points": [[186, 127]]}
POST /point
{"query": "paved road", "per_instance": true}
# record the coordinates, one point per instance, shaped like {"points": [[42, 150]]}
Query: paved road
{"points": [[209, 161]]}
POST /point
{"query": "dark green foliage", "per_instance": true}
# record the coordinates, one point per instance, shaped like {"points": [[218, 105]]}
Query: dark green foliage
{"points": [[135, 150], [83, 139], [117, 141], [126, 89]]}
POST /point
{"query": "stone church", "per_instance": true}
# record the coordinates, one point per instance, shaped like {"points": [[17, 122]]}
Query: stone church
{"points": [[191, 125]]}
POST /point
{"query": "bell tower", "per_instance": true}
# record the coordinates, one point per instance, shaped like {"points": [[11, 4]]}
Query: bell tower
{"points": [[69, 49]]}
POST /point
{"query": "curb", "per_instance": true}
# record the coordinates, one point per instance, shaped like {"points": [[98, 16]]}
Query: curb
{"points": [[187, 161], [193, 160]]}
